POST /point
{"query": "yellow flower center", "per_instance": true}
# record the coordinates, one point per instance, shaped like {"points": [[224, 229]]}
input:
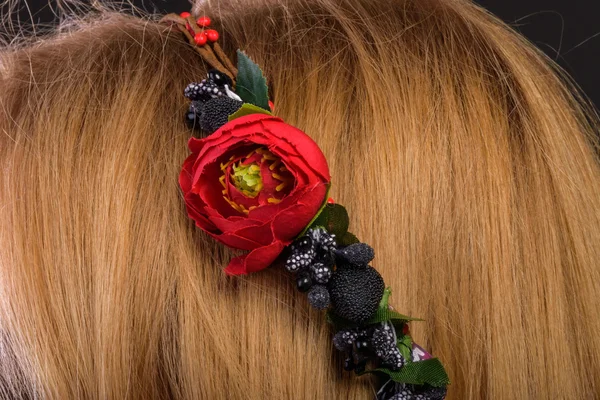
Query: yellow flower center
{"points": [[247, 179], [245, 175]]}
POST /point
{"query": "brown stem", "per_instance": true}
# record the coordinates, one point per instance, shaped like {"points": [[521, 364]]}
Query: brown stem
{"points": [[205, 51], [224, 59]]}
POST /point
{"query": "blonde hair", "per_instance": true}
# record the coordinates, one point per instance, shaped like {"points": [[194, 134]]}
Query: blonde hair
{"points": [[461, 153]]}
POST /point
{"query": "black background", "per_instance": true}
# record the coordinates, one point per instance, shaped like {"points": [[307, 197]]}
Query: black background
{"points": [[567, 30]]}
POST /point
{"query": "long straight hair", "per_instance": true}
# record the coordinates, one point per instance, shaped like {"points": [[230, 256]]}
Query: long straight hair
{"points": [[463, 155]]}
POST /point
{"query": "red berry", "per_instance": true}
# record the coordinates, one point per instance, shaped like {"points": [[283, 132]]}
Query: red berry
{"points": [[330, 201], [203, 21], [405, 330], [213, 35], [184, 14], [200, 38], [271, 105]]}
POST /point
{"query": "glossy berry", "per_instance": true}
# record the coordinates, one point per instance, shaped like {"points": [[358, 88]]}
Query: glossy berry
{"points": [[362, 344], [304, 282], [405, 330], [321, 273], [203, 21], [184, 14], [192, 116], [200, 38], [212, 35], [356, 293], [349, 364], [219, 78]]}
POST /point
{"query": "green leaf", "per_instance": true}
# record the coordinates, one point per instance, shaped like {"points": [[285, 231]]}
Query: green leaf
{"points": [[251, 84], [429, 372], [334, 218], [348, 239], [385, 299], [385, 313], [248, 109], [405, 346], [382, 315]]}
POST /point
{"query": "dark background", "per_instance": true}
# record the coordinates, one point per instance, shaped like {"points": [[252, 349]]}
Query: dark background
{"points": [[567, 30]]}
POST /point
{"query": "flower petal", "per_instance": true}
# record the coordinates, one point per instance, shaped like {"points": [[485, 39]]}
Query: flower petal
{"points": [[288, 223], [256, 260]]}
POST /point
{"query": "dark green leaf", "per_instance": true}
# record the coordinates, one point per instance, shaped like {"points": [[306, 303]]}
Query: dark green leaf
{"points": [[334, 218], [385, 313], [429, 372], [348, 239], [251, 84], [248, 109], [382, 315]]}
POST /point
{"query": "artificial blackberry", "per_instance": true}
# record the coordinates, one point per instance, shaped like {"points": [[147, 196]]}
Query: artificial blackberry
{"points": [[383, 339], [318, 297], [384, 345], [324, 241], [356, 293], [205, 90], [303, 244], [193, 91], [321, 273], [357, 254], [344, 340], [216, 112], [393, 360], [303, 254]]}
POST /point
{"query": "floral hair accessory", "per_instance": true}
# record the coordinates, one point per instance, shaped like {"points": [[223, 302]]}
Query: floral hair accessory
{"points": [[257, 184]]}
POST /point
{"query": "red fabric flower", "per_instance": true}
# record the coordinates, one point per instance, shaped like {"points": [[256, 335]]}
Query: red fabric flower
{"points": [[254, 185]]}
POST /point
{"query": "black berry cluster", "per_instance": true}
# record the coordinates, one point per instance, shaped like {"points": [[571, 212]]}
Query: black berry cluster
{"points": [[211, 102], [354, 289], [341, 278], [401, 391], [371, 343], [312, 259], [384, 345]]}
